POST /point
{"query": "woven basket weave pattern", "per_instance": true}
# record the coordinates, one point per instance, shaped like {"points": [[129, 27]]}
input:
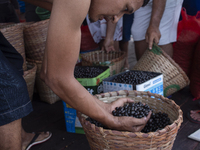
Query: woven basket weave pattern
{"points": [[35, 39], [100, 139], [29, 76], [2, 25], [45, 93], [115, 60], [174, 78], [14, 34]]}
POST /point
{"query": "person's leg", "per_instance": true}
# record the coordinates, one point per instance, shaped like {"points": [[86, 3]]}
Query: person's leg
{"points": [[13, 136], [168, 28], [123, 45], [195, 114], [14, 101], [140, 48], [10, 137], [27, 138], [168, 48], [14, 98], [116, 45]]}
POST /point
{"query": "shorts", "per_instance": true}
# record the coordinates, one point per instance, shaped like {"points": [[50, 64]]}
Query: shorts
{"points": [[168, 24], [127, 23], [14, 98]]}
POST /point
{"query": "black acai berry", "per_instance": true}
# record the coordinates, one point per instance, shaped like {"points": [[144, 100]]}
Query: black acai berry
{"points": [[134, 77], [156, 122], [88, 72], [138, 110]]}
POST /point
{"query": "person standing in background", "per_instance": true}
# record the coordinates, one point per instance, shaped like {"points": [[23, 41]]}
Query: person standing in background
{"points": [[9, 11], [30, 14], [161, 29], [192, 7], [123, 44]]}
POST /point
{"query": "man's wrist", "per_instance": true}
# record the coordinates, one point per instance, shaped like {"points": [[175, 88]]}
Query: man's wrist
{"points": [[112, 122], [155, 22]]}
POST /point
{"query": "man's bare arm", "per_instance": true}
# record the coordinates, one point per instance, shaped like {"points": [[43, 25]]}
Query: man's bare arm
{"points": [[153, 33], [108, 44], [61, 54], [157, 12]]}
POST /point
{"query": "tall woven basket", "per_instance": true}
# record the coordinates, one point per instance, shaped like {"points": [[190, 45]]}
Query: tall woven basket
{"points": [[45, 93], [10, 24], [104, 139], [29, 76], [5, 24], [35, 39], [14, 34], [115, 60], [156, 60]]}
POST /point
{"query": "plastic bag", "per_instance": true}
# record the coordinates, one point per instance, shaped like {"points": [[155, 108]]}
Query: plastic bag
{"points": [[87, 41], [187, 39], [195, 73]]}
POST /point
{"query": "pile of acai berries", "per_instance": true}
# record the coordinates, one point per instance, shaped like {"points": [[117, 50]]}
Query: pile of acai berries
{"points": [[139, 110], [88, 72], [134, 77]]}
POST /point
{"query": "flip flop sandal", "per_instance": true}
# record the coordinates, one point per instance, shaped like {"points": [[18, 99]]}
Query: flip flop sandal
{"points": [[191, 119], [33, 142]]}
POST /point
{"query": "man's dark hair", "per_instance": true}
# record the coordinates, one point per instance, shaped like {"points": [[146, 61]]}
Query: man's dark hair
{"points": [[145, 3]]}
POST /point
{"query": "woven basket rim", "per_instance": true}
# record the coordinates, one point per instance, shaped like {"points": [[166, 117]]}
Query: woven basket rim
{"points": [[13, 27], [83, 56], [176, 65], [35, 24], [176, 124]]}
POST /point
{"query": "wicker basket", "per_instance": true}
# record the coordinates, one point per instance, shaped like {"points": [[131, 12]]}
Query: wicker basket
{"points": [[14, 34], [10, 24], [115, 60], [45, 93], [29, 76], [156, 60], [101, 139], [6, 24], [35, 39]]}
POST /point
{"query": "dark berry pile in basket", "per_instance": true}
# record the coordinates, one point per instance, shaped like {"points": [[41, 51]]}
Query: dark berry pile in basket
{"points": [[134, 77], [87, 72], [156, 122], [137, 110]]}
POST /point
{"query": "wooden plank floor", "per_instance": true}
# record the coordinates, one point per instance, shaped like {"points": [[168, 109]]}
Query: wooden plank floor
{"points": [[47, 117]]}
